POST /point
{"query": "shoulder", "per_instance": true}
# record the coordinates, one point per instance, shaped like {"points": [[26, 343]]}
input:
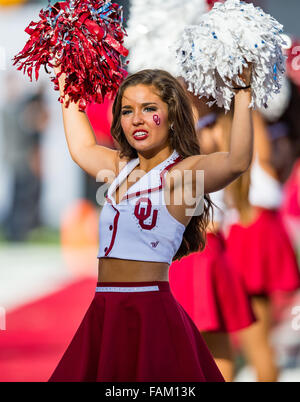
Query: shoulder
{"points": [[185, 172], [120, 161], [190, 163]]}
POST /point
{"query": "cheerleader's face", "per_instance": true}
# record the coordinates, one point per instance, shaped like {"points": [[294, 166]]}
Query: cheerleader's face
{"points": [[144, 118]]}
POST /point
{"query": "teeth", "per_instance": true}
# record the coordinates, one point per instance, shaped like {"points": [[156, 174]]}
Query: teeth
{"points": [[140, 134]]}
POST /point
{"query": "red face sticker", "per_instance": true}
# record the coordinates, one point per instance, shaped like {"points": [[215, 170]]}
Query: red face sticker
{"points": [[156, 119]]}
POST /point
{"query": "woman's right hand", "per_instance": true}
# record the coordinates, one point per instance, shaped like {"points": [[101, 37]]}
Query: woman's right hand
{"points": [[55, 62], [57, 69]]}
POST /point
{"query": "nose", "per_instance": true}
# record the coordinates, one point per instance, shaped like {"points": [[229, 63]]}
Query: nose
{"points": [[137, 118]]}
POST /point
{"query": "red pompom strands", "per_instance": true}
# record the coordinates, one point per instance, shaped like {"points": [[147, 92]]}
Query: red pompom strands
{"points": [[86, 38]]}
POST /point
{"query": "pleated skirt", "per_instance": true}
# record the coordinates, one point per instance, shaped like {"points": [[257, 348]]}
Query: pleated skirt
{"points": [[136, 332], [209, 289]]}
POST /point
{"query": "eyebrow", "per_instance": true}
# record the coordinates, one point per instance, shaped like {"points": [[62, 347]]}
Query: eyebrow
{"points": [[143, 104]]}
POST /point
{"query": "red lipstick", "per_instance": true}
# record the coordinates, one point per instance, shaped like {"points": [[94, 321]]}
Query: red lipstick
{"points": [[140, 135]]}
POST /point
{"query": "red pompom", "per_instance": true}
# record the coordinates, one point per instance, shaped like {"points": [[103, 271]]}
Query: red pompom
{"points": [[86, 37]]}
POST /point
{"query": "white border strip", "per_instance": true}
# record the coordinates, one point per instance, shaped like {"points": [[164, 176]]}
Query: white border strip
{"points": [[127, 289]]}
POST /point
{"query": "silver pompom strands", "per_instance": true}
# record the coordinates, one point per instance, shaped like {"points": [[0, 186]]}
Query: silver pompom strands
{"points": [[153, 27], [212, 54]]}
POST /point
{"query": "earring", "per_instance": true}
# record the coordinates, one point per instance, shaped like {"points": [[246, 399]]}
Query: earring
{"points": [[172, 127]]}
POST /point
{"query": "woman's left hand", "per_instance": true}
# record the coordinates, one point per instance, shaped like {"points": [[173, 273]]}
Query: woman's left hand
{"points": [[246, 74]]}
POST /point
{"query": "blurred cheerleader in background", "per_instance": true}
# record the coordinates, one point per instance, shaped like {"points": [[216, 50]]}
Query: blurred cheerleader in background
{"points": [[257, 243], [287, 128]]}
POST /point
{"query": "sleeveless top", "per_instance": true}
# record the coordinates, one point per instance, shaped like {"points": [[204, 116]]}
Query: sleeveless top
{"points": [[140, 227], [265, 191]]}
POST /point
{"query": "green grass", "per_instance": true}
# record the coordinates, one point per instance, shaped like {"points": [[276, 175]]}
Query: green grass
{"points": [[2, 238], [42, 235]]}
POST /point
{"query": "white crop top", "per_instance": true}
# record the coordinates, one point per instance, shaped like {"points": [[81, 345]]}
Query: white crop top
{"points": [[140, 227], [265, 191]]}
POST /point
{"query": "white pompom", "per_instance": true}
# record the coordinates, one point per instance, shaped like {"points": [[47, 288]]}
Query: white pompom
{"points": [[278, 103], [154, 26], [212, 54]]}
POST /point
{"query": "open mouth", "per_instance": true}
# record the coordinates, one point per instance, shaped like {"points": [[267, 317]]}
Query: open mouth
{"points": [[140, 135]]}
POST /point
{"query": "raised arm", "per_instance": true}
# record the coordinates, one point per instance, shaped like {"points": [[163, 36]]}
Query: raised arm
{"points": [[84, 150], [221, 168]]}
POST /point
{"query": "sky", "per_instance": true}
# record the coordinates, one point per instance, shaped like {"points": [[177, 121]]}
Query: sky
{"points": [[287, 12]]}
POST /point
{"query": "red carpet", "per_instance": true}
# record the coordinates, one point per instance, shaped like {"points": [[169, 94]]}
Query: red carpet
{"points": [[38, 333]]}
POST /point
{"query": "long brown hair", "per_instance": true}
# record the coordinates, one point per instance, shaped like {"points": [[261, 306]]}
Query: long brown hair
{"points": [[183, 139]]}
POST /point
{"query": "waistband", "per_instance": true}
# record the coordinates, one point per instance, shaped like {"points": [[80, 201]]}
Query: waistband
{"points": [[133, 287]]}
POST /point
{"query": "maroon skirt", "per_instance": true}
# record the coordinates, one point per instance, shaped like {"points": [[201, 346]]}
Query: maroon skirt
{"points": [[210, 291], [136, 332], [263, 255]]}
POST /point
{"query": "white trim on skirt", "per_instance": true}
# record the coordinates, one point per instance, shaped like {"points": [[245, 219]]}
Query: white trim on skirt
{"points": [[127, 289]]}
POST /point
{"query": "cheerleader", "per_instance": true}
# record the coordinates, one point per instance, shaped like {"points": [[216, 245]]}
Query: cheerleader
{"points": [[290, 207], [204, 283], [134, 330], [260, 250]]}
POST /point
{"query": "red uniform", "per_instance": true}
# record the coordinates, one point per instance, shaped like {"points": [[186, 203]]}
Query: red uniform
{"points": [[210, 291], [263, 255]]}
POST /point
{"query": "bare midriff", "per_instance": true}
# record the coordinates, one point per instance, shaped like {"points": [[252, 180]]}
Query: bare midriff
{"points": [[117, 270]]}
